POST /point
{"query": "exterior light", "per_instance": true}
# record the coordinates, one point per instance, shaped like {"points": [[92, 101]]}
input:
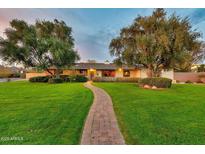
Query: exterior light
{"points": [[120, 69], [92, 70]]}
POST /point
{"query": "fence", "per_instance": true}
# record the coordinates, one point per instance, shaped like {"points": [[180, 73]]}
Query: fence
{"points": [[187, 76]]}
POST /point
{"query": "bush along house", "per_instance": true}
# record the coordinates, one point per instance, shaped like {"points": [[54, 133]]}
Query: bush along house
{"points": [[109, 71]]}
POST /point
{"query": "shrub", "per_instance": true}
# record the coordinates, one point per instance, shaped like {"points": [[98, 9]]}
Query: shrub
{"points": [[16, 75], [199, 81], [158, 82], [39, 79], [65, 78], [188, 81], [5, 73], [104, 79], [72, 78], [81, 78], [23, 75], [55, 80], [127, 79], [113, 79], [78, 78]]}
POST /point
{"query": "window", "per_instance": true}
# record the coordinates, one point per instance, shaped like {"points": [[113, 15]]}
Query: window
{"points": [[83, 72], [126, 73], [108, 73]]}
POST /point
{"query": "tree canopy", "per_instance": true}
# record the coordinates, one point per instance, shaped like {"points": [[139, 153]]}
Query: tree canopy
{"points": [[158, 42], [43, 45]]}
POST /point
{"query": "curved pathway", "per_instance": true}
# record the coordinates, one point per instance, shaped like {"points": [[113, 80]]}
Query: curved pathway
{"points": [[101, 125]]}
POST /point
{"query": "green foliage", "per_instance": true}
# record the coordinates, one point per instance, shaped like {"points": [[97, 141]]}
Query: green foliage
{"points": [[16, 75], [61, 79], [5, 73], [104, 79], [158, 42], [117, 79], [43, 114], [81, 78], [188, 81], [42, 45], [55, 80], [201, 68], [23, 75], [65, 78], [78, 78], [170, 116], [158, 82], [39, 79]]}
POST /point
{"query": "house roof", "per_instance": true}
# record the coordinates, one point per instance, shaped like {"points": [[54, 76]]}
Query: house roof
{"points": [[11, 69], [102, 66]]}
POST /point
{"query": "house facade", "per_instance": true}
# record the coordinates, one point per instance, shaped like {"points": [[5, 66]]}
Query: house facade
{"points": [[92, 70]]}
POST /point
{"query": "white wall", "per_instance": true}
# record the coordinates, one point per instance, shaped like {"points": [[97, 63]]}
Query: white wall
{"points": [[143, 73], [168, 74]]}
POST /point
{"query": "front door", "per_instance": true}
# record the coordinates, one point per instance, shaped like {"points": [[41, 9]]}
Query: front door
{"points": [[91, 75]]}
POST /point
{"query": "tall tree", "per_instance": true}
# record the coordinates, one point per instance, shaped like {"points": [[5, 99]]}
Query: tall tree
{"points": [[157, 42], [201, 68], [42, 45]]}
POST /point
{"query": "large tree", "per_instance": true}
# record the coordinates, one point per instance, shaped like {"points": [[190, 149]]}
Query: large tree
{"points": [[42, 45], [158, 42]]}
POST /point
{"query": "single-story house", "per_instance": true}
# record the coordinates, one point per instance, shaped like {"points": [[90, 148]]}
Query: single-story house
{"points": [[92, 70]]}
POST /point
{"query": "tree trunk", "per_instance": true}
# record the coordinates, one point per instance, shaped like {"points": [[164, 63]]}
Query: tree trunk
{"points": [[153, 71], [57, 73], [149, 73], [49, 72]]}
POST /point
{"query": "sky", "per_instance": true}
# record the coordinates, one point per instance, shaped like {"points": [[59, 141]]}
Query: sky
{"points": [[93, 29]]}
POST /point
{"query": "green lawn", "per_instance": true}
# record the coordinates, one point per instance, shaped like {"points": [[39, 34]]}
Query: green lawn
{"points": [[43, 113], [171, 116]]}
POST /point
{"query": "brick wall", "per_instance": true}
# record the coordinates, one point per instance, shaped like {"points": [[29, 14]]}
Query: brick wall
{"points": [[30, 75], [185, 76]]}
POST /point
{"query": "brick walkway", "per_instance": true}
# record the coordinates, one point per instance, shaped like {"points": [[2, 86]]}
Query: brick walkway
{"points": [[101, 125]]}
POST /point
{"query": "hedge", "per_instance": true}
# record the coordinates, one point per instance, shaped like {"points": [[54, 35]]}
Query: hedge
{"points": [[78, 78], [55, 80], [158, 82], [115, 79], [39, 79], [63, 78]]}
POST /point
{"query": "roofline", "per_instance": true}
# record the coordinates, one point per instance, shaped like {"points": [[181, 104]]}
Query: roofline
{"points": [[115, 67]]}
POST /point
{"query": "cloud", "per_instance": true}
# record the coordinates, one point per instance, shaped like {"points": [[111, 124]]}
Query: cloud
{"points": [[95, 45], [93, 29]]}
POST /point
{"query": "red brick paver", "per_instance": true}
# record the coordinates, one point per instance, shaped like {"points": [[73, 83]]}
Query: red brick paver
{"points": [[101, 125]]}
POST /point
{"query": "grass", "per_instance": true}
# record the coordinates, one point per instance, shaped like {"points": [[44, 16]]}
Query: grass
{"points": [[171, 116], [41, 113]]}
